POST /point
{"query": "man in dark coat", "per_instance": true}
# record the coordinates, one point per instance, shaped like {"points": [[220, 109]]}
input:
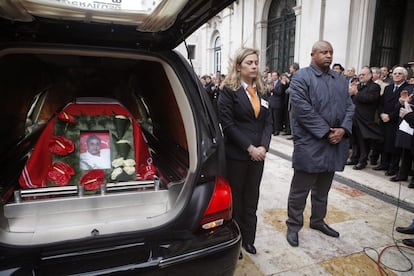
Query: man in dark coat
{"points": [[407, 114], [403, 140], [293, 68], [365, 130], [277, 102], [322, 112], [389, 110]]}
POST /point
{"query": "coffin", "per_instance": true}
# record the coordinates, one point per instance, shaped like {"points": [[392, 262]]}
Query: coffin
{"points": [[62, 157]]}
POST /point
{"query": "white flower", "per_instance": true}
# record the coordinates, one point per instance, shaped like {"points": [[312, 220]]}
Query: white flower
{"points": [[129, 163], [115, 173], [123, 142], [118, 162], [129, 170]]}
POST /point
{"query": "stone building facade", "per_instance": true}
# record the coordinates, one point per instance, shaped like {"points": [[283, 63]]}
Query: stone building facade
{"points": [[362, 32]]}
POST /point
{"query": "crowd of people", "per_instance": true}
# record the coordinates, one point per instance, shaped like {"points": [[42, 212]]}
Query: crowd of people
{"points": [[377, 137], [336, 117]]}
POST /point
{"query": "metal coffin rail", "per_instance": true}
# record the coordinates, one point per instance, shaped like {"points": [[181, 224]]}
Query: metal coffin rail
{"points": [[71, 206]]}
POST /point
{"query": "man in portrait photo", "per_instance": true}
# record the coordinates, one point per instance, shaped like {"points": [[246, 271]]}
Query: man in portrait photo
{"points": [[95, 156]]}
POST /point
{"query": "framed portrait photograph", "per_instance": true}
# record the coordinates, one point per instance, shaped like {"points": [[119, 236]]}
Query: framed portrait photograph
{"points": [[95, 150]]}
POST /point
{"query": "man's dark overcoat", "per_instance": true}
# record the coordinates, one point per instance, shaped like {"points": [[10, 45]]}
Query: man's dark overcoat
{"points": [[320, 101], [389, 104], [366, 103], [402, 139], [277, 98]]}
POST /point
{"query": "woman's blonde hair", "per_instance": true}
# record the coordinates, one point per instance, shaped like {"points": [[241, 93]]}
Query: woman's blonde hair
{"points": [[233, 80]]}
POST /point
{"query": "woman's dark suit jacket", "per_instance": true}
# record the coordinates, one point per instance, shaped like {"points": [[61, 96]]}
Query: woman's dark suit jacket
{"points": [[241, 128]]}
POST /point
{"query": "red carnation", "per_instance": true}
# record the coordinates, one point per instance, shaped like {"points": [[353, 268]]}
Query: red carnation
{"points": [[60, 173], [66, 117], [61, 145], [93, 179]]}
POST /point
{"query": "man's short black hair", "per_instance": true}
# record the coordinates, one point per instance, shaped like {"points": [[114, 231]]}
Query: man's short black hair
{"points": [[340, 66], [295, 66], [92, 137]]}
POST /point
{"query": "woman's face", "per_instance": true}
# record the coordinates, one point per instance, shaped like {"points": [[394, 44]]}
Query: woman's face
{"points": [[248, 68]]}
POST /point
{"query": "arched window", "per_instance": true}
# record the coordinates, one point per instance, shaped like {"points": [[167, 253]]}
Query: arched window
{"points": [[217, 54]]}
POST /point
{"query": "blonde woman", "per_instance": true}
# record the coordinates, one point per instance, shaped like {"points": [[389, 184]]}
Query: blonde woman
{"points": [[246, 119]]}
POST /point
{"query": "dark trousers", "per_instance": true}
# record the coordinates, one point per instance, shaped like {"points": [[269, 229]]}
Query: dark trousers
{"points": [[278, 114], [376, 148], [391, 161], [406, 165], [244, 178], [288, 114], [302, 183], [360, 146]]}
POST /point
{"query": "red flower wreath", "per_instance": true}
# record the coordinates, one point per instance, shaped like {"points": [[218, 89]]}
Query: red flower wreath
{"points": [[93, 179], [60, 173], [61, 145]]}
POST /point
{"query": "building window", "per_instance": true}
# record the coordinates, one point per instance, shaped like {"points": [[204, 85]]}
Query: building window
{"points": [[388, 38], [281, 35], [217, 54]]}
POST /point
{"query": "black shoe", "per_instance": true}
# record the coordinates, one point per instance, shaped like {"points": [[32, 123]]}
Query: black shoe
{"points": [[289, 138], [408, 242], [390, 172], [359, 166], [398, 178], [411, 185], [249, 248], [292, 238], [373, 162], [324, 228], [276, 133], [380, 168], [240, 255], [406, 230], [350, 162]]}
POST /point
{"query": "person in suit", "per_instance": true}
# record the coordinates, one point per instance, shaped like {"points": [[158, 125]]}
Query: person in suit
{"points": [[277, 101], [389, 110], [214, 91], [338, 68], [293, 68], [403, 140], [350, 74], [365, 130], [246, 119], [406, 113], [385, 75], [376, 77], [322, 122], [376, 146]]}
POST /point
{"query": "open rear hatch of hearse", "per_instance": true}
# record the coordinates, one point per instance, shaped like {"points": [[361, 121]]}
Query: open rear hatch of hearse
{"points": [[143, 119]]}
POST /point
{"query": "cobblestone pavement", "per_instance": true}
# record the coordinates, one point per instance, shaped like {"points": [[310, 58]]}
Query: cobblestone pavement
{"points": [[364, 206]]}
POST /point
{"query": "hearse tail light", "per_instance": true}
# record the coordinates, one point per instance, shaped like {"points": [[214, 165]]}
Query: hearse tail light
{"points": [[220, 207]]}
